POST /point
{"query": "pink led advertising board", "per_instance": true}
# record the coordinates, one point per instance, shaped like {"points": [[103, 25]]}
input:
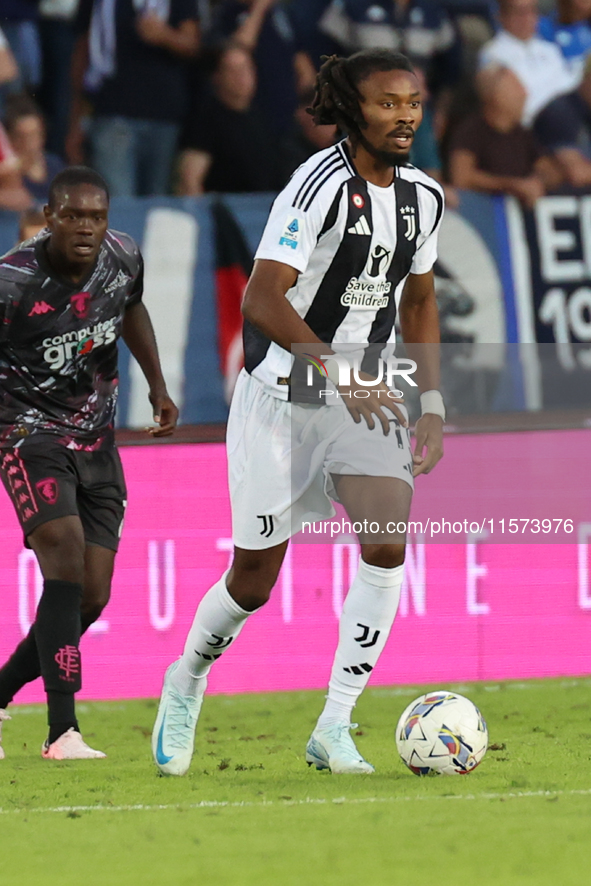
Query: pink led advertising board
{"points": [[470, 610]]}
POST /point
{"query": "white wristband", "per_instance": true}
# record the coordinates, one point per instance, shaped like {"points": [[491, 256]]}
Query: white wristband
{"points": [[332, 368], [432, 402]]}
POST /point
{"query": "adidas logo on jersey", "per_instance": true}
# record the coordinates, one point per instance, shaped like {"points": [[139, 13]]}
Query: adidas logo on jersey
{"points": [[40, 307], [360, 227], [120, 280]]}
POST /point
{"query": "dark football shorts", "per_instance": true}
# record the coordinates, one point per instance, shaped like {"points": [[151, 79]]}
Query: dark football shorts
{"points": [[45, 480]]}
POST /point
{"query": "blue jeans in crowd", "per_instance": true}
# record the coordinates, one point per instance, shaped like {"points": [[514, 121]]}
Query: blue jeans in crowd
{"points": [[135, 157]]}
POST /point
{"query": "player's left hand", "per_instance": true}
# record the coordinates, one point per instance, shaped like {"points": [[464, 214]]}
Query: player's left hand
{"points": [[429, 437], [165, 415]]}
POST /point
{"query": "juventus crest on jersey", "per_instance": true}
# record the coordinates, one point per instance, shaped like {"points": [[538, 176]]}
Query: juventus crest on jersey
{"points": [[354, 244]]}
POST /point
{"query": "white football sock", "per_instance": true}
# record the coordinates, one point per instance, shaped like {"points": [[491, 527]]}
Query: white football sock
{"points": [[366, 620], [218, 621]]}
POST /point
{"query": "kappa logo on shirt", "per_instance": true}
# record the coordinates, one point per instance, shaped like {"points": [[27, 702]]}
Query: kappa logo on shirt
{"points": [[40, 307]]}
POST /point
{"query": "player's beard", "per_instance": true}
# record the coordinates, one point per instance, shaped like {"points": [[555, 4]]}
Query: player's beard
{"points": [[387, 158]]}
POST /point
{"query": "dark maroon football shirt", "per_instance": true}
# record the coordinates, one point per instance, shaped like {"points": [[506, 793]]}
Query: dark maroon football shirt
{"points": [[58, 342]]}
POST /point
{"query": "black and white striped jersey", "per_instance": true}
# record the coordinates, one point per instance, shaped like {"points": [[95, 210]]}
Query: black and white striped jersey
{"points": [[354, 244]]}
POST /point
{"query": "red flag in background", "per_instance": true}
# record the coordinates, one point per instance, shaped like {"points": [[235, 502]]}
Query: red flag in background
{"points": [[233, 267]]}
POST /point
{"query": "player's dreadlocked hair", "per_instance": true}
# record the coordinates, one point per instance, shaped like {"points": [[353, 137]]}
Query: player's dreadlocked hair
{"points": [[76, 175], [337, 99]]}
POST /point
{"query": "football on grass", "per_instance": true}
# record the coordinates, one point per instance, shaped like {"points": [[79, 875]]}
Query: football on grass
{"points": [[441, 733]]}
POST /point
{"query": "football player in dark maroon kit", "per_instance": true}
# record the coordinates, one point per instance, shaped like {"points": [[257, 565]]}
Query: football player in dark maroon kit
{"points": [[65, 298]]}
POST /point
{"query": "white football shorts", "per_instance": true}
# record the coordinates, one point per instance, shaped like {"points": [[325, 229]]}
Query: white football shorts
{"points": [[281, 456]]}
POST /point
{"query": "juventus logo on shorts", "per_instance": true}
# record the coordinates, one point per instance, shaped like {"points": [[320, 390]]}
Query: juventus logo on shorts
{"points": [[408, 213], [268, 525]]}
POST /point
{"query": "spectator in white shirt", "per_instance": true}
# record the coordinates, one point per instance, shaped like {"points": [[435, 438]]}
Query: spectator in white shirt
{"points": [[553, 105]]}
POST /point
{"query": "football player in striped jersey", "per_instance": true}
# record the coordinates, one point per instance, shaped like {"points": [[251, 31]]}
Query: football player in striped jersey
{"points": [[349, 246]]}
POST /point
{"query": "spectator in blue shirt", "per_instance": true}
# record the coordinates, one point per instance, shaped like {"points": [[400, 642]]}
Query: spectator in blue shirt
{"points": [[568, 26]]}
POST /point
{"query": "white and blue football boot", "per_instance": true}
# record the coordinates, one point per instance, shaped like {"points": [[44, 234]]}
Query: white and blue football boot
{"points": [[332, 747], [173, 736]]}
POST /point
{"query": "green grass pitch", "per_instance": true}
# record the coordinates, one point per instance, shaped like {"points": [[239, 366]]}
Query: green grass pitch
{"points": [[251, 813]]}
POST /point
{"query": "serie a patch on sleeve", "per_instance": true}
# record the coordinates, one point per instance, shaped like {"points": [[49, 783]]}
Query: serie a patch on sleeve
{"points": [[291, 232]]}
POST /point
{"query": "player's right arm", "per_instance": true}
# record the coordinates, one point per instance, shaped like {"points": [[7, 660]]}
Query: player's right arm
{"points": [[267, 308], [287, 244]]}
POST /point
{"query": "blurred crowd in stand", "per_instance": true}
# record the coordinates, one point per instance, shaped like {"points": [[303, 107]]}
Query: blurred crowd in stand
{"points": [[192, 96]]}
